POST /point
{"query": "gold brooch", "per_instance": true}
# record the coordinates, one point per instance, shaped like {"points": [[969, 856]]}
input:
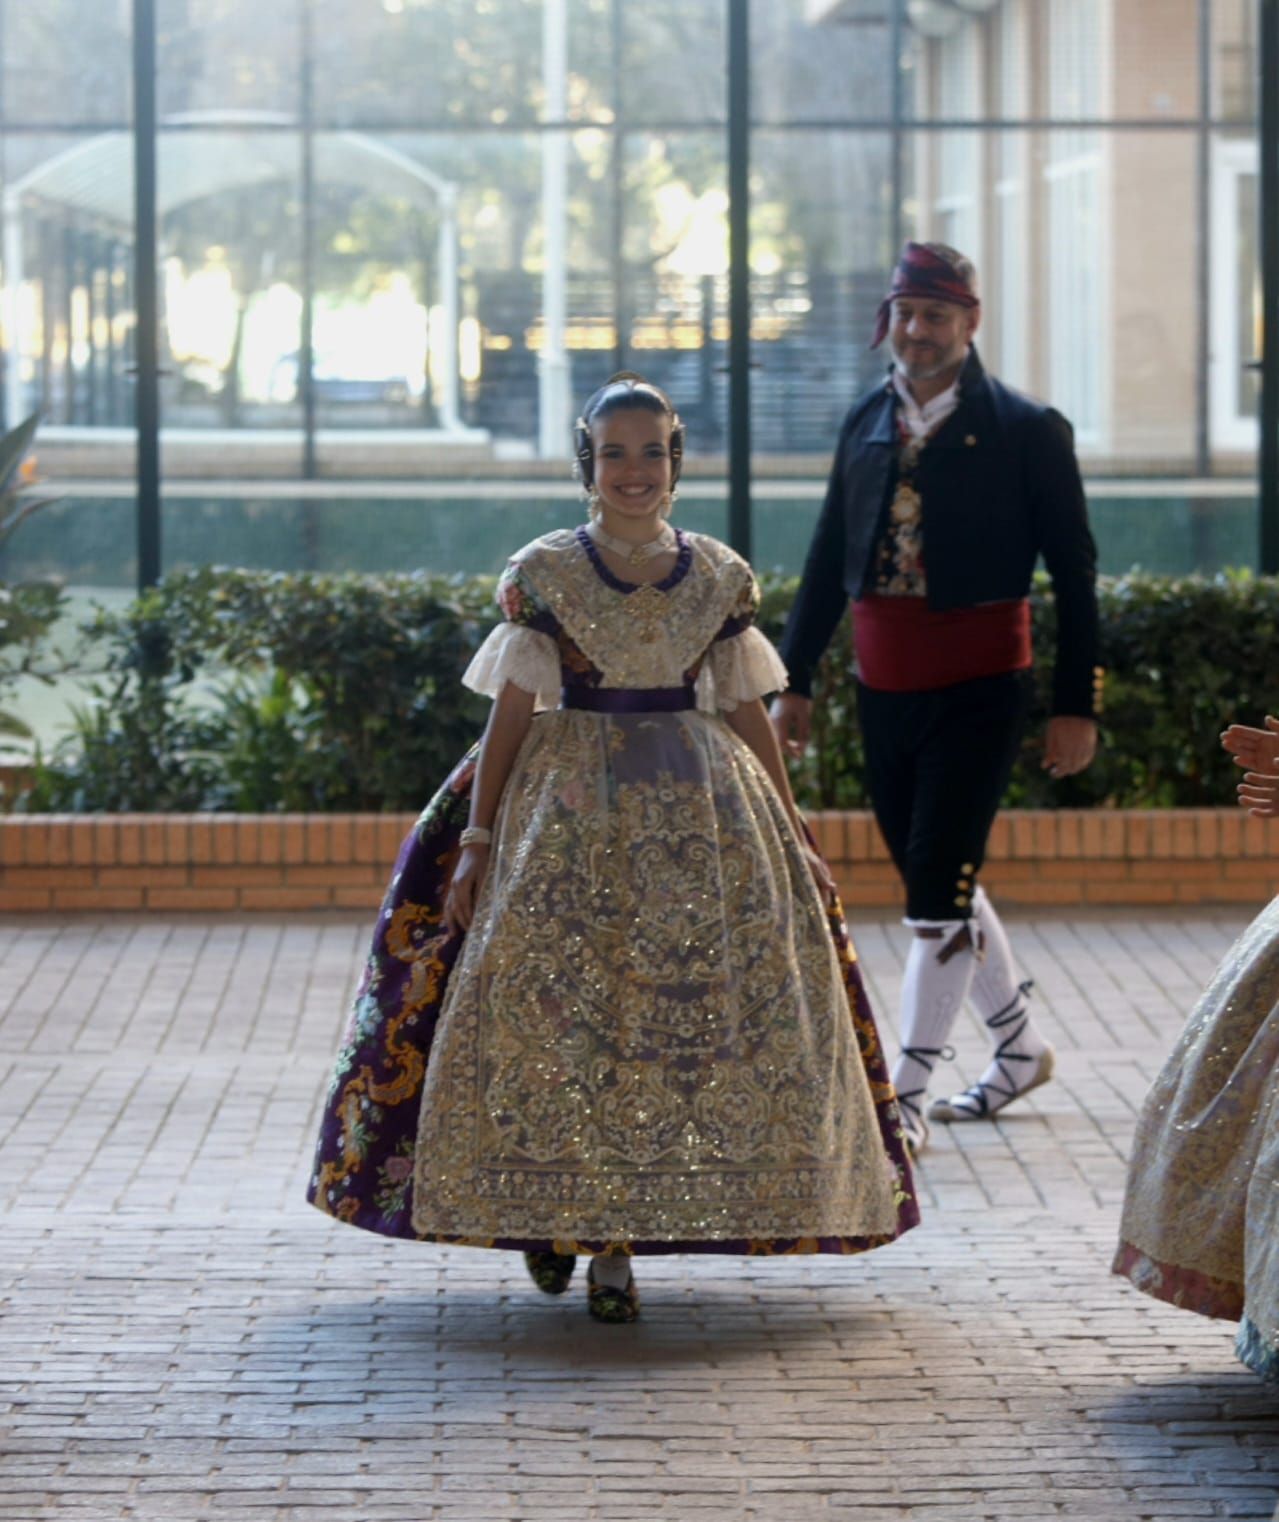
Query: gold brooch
{"points": [[648, 608]]}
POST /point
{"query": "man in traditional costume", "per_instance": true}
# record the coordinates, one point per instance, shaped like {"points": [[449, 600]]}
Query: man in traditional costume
{"points": [[946, 488]]}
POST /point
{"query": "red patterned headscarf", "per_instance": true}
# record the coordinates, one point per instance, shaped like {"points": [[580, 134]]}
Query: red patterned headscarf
{"points": [[924, 276]]}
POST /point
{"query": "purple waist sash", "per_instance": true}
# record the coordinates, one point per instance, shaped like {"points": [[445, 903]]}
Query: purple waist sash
{"points": [[629, 699]]}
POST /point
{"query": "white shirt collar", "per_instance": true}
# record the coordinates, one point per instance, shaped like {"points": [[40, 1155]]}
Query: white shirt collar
{"points": [[921, 421]]}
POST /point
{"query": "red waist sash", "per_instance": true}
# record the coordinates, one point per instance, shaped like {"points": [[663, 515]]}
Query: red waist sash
{"points": [[903, 645]]}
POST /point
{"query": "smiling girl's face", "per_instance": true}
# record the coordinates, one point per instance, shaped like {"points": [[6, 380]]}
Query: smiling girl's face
{"points": [[632, 463]]}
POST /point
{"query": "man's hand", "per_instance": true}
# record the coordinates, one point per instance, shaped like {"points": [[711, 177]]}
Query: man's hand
{"points": [[1255, 750], [791, 717], [1070, 743]]}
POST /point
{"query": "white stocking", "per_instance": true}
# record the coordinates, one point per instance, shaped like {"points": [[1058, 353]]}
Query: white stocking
{"points": [[1000, 999], [1021, 1059], [612, 1269], [939, 970]]}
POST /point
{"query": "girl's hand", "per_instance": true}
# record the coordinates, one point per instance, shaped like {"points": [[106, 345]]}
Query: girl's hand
{"points": [[1255, 750], [468, 878], [1259, 794], [821, 872]]}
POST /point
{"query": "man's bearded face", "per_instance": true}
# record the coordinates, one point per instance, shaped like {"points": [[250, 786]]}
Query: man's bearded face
{"points": [[929, 337]]}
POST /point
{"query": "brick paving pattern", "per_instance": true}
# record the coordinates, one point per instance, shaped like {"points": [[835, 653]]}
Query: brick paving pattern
{"points": [[184, 1338]]}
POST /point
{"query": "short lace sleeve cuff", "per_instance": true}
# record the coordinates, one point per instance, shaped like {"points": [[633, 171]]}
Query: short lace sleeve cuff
{"points": [[516, 653], [742, 667]]}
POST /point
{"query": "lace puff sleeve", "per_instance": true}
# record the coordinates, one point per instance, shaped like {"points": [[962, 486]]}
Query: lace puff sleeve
{"points": [[741, 663], [523, 649]]}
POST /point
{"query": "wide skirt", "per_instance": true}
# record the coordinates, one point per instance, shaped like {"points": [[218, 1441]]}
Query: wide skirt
{"points": [[1200, 1224], [654, 1036]]}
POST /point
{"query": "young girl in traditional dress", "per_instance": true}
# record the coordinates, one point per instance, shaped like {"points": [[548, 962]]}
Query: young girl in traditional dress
{"points": [[617, 1012], [1200, 1224]]}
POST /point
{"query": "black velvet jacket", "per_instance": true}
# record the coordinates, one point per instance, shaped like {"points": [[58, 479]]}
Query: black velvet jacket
{"points": [[1000, 487]]}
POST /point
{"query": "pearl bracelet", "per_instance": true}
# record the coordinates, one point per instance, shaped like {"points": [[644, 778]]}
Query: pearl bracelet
{"points": [[474, 835]]}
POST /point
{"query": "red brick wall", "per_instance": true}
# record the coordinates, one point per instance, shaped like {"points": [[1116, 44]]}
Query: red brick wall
{"points": [[206, 862], [221, 863], [1085, 856]]}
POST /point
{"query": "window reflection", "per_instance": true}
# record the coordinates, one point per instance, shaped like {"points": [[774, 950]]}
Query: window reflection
{"points": [[477, 248]]}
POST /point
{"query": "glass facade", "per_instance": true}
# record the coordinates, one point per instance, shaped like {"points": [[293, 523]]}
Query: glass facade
{"points": [[400, 241]]}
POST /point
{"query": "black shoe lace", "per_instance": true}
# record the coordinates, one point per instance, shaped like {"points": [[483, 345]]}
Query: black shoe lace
{"points": [[1014, 1013], [926, 1056]]}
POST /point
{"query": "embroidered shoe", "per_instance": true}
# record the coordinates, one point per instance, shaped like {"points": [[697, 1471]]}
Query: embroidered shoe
{"points": [[617, 1307], [984, 1099], [550, 1271]]}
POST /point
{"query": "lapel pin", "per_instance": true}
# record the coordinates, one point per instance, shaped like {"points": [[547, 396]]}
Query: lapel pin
{"points": [[971, 440]]}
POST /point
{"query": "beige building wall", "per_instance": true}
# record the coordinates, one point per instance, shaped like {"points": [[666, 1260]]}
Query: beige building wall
{"points": [[1144, 315], [1152, 235]]}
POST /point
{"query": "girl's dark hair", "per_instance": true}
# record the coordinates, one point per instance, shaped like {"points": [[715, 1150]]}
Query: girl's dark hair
{"points": [[620, 393]]}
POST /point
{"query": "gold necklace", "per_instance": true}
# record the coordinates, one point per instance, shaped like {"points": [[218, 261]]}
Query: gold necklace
{"points": [[634, 554]]}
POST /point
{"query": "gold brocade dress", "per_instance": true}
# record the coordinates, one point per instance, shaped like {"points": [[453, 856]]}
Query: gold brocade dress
{"points": [[1200, 1222], [647, 1035]]}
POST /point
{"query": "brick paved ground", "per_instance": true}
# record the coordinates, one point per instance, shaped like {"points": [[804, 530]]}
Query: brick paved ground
{"points": [[186, 1339]]}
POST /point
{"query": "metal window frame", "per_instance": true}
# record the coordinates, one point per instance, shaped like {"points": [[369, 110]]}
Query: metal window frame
{"points": [[1268, 213], [146, 287], [739, 125]]}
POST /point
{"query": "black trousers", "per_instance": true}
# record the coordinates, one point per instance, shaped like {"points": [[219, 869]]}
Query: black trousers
{"points": [[937, 764]]}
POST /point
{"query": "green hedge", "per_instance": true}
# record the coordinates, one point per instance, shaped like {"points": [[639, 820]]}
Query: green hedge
{"points": [[242, 690], [252, 691]]}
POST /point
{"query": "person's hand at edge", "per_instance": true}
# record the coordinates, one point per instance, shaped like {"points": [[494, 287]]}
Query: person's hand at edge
{"points": [[1252, 749], [1259, 794]]}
